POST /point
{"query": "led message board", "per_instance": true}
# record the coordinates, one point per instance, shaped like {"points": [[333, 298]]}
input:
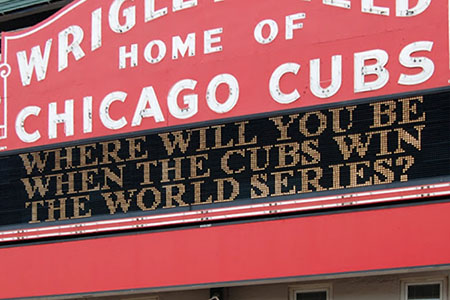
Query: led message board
{"points": [[375, 143], [107, 67]]}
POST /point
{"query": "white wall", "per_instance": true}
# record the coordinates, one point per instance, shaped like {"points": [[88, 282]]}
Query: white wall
{"points": [[380, 287]]}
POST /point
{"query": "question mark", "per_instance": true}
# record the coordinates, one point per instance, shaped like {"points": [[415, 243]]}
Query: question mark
{"points": [[409, 162]]}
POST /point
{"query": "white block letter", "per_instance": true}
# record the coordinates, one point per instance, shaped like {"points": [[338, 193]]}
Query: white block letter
{"points": [[403, 9], [87, 114], [64, 48], [336, 78], [105, 117], [124, 55], [378, 69], [54, 119], [178, 46], [209, 40], [148, 98], [162, 50], [274, 84], [409, 61], [129, 14], [150, 13], [183, 4], [233, 96], [191, 101], [23, 135], [258, 33], [367, 6], [37, 63], [96, 33], [290, 26], [338, 3]]}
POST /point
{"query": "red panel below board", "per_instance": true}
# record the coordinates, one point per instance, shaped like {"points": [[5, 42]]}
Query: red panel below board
{"points": [[324, 244]]}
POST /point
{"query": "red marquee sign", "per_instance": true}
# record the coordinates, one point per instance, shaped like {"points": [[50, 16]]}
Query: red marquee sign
{"points": [[108, 67]]}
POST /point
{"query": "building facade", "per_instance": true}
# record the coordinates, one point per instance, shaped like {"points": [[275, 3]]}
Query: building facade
{"points": [[222, 150]]}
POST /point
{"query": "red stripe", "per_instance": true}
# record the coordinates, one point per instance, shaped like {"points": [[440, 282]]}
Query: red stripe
{"points": [[230, 213], [345, 242]]}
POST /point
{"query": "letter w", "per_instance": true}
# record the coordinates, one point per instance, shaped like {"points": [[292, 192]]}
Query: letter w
{"points": [[35, 162], [356, 144], [37, 63], [178, 140], [120, 201], [39, 185]]}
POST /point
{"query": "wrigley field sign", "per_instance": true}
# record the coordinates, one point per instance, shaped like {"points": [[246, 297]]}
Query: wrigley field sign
{"points": [[155, 126], [383, 142]]}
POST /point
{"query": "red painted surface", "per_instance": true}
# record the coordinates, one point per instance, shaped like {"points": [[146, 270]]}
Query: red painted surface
{"points": [[347, 242], [327, 31]]}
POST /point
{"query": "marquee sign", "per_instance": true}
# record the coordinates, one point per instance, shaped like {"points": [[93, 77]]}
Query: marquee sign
{"points": [[107, 67], [234, 165]]}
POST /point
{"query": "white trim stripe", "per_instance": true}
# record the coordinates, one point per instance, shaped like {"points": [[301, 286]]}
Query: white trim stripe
{"points": [[230, 213]]}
